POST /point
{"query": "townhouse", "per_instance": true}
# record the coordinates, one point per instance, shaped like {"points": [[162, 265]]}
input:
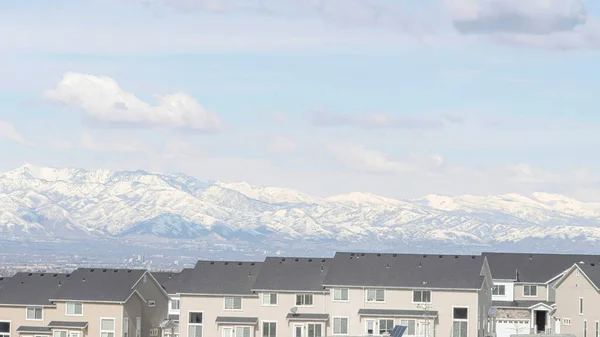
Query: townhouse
{"points": [[87, 302], [524, 292], [170, 281], [578, 300], [432, 295]]}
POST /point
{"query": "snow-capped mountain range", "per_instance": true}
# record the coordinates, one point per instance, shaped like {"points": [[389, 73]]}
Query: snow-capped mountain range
{"points": [[44, 202]]}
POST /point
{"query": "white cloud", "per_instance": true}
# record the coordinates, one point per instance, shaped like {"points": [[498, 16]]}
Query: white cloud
{"points": [[547, 24], [380, 120], [281, 145], [102, 99], [8, 131], [114, 143]]}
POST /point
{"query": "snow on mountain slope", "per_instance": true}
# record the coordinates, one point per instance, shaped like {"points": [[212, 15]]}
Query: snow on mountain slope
{"points": [[46, 202]]}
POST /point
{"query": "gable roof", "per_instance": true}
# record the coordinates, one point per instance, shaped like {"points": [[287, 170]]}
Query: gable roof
{"points": [[592, 271], [292, 274], [99, 285], [406, 270], [535, 268], [3, 280], [220, 278], [171, 281], [31, 288]]}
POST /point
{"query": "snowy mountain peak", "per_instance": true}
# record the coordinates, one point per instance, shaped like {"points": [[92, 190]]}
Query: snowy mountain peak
{"points": [[46, 202]]}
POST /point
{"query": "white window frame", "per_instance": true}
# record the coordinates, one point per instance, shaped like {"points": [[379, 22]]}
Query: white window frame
{"points": [[340, 290], [374, 298], [74, 306], [151, 303], [2, 334], [497, 288], [303, 296], [585, 328], [580, 306], [566, 321], [530, 286], [315, 325], [74, 334], [262, 326], [125, 326], [113, 331], [379, 325], [174, 300], [241, 327], [408, 320], [233, 308], [34, 308], [421, 301], [347, 325], [597, 329], [154, 332], [60, 331], [188, 324], [460, 319], [264, 296]]}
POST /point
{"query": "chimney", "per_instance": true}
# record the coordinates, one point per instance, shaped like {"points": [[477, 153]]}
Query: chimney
{"points": [[83, 280]]}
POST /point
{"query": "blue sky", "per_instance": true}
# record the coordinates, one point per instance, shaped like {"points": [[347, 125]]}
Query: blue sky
{"points": [[389, 97]]}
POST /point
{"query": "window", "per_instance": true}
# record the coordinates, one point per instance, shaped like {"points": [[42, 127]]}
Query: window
{"points": [[340, 295], [151, 303], [233, 303], [4, 329], [340, 325], [35, 314], [174, 304], [566, 321], [269, 299], [195, 324], [530, 290], [269, 329], [138, 327], [411, 326], [422, 296], [581, 305], [314, 330], [154, 332], [459, 323], [597, 329], [584, 328], [386, 326], [375, 295], [74, 309], [59, 333], [107, 327], [125, 327], [242, 331], [499, 290], [74, 334], [304, 299]]}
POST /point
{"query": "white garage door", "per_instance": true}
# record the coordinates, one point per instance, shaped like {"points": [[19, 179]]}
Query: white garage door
{"points": [[505, 328]]}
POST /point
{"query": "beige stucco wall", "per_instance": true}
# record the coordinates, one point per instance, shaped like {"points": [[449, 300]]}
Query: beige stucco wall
{"points": [[17, 317], [567, 303], [152, 316], [92, 312], [542, 293]]}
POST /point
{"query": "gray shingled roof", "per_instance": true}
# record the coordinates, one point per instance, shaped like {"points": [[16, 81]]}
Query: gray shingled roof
{"points": [[98, 284], [31, 288], [220, 278], [236, 320], [396, 313], [405, 270], [519, 304], [538, 268], [3, 280], [307, 317], [38, 330], [292, 274], [592, 271], [168, 280], [68, 324]]}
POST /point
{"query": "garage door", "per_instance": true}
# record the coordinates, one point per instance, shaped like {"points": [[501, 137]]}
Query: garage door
{"points": [[505, 328]]}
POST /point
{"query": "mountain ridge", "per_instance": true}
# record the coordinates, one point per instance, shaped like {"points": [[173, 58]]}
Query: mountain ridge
{"points": [[46, 202]]}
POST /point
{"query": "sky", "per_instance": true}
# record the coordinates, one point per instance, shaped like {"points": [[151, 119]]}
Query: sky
{"points": [[398, 98]]}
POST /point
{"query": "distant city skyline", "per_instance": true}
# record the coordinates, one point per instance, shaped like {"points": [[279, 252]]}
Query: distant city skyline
{"points": [[397, 98]]}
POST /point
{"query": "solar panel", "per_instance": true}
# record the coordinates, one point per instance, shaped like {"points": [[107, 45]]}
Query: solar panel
{"points": [[398, 331]]}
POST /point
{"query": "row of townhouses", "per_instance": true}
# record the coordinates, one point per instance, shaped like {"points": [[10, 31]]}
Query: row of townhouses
{"points": [[351, 294]]}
